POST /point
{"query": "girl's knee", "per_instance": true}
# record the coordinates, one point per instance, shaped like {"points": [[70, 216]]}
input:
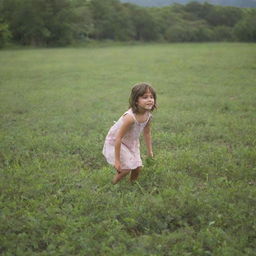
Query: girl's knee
{"points": [[135, 174], [137, 170], [124, 172]]}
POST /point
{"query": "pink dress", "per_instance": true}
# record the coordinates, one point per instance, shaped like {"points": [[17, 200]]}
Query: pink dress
{"points": [[130, 145]]}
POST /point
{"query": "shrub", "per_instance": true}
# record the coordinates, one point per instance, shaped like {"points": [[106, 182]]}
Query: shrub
{"points": [[5, 34], [245, 30], [223, 33]]}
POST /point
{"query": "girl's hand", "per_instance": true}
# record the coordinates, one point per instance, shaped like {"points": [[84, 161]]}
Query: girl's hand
{"points": [[150, 154], [118, 167]]}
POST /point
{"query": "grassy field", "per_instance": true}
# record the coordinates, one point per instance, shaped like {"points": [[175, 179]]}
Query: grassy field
{"points": [[198, 195]]}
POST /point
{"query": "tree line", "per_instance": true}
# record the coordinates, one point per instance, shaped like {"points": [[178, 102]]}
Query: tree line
{"points": [[61, 22]]}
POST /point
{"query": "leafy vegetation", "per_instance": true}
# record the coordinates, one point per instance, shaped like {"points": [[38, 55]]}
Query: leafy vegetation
{"points": [[197, 197], [238, 3], [63, 22]]}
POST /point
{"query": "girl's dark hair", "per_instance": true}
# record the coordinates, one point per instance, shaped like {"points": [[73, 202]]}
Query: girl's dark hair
{"points": [[139, 90]]}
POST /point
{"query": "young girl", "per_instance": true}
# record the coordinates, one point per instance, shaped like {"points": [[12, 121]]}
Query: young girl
{"points": [[122, 147]]}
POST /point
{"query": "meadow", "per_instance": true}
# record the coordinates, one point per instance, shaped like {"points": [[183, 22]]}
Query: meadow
{"points": [[196, 197]]}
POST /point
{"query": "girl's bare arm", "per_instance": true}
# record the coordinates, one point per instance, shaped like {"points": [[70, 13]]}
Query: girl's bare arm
{"points": [[148, 139]]}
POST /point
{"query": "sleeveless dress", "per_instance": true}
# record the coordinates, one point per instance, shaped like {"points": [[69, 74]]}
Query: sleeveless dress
{"points": [[130, 144]]}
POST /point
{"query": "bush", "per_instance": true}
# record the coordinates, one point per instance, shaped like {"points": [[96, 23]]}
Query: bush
{"points": [[188, 32], [223, 33], [245, 30], [5, 34]]}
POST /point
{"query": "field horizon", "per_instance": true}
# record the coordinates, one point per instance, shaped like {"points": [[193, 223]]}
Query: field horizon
{"points": [[196, 197]]}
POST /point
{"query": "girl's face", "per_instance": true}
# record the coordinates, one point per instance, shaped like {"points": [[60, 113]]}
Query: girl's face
{"points": [[146, 101]]}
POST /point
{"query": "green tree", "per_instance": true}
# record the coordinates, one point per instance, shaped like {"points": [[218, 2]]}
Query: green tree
{"points": [[25, 24], [59, 22], [82, 23], [245, 30], [40, 22], [5, 34], [215, 15], [164, 18], [224, 16], [187, 31], [112, 20], [222, 33], [145, 24], [201, 11], [58, 18], [123, 26]]}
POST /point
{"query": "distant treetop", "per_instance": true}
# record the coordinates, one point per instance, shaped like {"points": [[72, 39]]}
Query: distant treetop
{"points": [[237, 3]]}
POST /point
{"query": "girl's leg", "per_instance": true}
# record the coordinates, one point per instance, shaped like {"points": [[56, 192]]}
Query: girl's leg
{"points": [[120, 176], [135, 174]]}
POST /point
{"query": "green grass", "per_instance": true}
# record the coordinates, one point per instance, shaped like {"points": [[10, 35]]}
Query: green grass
{"points": [[196, 198]]}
